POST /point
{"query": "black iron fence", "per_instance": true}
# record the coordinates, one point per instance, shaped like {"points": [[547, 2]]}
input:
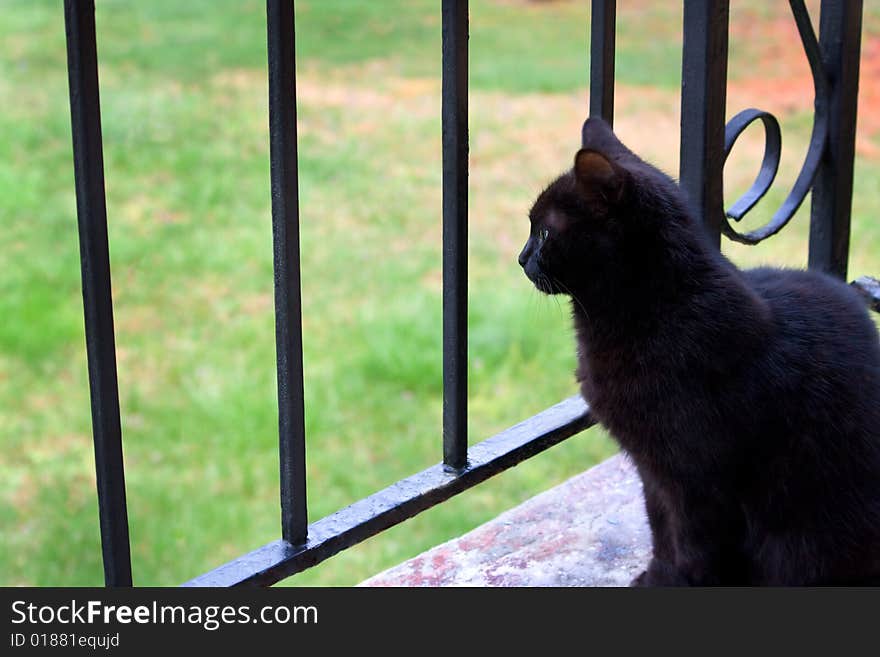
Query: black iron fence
{"points": [[705, 143]]}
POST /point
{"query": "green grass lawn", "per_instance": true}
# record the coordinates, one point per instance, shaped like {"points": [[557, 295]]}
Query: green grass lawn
{"points": [[186, 160]]}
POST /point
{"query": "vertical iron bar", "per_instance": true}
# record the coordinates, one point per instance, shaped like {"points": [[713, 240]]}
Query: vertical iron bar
{"points": [[703, 100], [285, 233], [455, 200], [840, 27], [88, 163], [602, 32]]}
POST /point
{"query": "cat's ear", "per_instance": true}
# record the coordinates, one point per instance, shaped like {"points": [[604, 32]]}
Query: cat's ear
{"points": [[599, 177]]}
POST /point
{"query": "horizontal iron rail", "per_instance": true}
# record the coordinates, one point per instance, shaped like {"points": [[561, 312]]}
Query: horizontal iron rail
{"points": [[402, 500], [869, 288]]}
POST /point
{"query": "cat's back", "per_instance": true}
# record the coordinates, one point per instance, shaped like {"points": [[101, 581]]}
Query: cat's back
{"points": [[809, 306], [824, 345]]}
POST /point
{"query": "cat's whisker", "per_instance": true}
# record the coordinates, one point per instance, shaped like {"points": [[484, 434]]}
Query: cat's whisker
{"points": [[574, 297]]}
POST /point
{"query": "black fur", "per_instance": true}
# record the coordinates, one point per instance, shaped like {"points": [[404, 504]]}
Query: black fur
{"points": [[748, 400]]}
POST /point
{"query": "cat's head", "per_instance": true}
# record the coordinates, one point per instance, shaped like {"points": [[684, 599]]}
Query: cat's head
{"points": [[581, 220]]}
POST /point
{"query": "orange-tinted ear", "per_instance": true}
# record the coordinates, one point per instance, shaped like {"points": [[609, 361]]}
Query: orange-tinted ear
{"points": [[597, 175]]}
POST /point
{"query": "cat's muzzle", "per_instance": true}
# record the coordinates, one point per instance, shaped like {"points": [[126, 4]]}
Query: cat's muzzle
{"points": [[539, 279]]}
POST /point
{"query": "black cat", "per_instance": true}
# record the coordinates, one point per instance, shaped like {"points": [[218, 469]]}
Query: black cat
{"points": [[748, 400]]}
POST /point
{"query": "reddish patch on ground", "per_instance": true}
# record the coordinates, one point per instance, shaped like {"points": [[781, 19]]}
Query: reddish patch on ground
{"points": [[425, 570], [769, 70], [481, 539]]}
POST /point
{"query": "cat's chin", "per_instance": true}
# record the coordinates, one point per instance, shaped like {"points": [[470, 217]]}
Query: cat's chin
{"points": [[545, 285]]}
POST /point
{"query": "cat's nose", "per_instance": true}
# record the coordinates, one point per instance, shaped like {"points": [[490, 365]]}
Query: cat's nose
{"points": [[524, 256]]}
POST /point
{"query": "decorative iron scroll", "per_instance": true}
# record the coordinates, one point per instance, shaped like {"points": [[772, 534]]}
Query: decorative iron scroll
{"points": [[773, 145]]}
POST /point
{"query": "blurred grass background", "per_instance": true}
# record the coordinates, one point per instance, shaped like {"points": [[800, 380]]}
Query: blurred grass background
{"points": [[186, 161]]}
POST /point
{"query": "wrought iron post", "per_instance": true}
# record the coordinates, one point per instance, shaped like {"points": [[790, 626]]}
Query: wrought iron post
{"points": [[455, 218], [285, 233], [602, 43], [840, 27], [703, 100], [91, 210]]}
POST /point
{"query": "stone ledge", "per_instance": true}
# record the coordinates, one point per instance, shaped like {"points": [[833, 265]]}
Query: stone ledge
{"points": [[589, 531]]}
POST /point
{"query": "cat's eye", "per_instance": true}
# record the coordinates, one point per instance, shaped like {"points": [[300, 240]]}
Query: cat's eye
{"points": [[543, 234]]}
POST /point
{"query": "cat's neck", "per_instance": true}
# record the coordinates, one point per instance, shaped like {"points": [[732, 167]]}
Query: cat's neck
{"points": [[688, 287]]}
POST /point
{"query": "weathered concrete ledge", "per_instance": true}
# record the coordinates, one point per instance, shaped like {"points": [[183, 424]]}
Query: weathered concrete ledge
{"points": [[589, 531]]}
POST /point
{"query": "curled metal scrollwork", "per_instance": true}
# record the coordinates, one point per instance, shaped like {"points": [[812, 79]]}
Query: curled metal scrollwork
{"points": [[773, 145]]}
